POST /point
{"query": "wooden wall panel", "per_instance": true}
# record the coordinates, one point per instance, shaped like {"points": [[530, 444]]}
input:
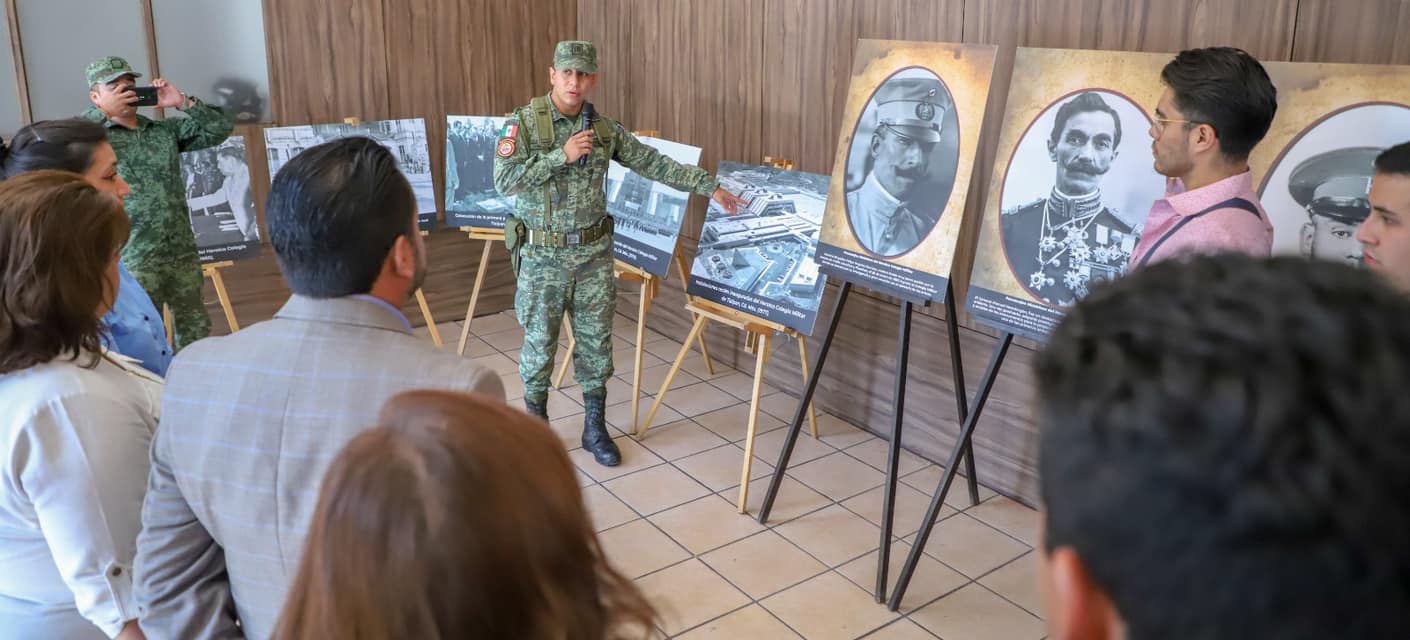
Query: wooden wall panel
{"points": [[1373, 32], [327, 62]]}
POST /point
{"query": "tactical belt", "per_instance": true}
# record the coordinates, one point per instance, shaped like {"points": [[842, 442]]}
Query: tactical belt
{"points": [[586, 235]]}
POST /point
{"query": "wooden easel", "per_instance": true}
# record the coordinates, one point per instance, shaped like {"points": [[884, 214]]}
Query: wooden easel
{"points": [[759, 335], [212, 271], [490, 236]]}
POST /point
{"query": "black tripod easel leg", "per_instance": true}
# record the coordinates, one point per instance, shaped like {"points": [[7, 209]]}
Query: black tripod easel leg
{"points": [[986, 384], [961, 403], [893, 453], [803, 404]]}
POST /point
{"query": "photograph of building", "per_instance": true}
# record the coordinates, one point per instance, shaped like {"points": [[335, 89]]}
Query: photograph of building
{"points": [[648, 214], [406, 139]]}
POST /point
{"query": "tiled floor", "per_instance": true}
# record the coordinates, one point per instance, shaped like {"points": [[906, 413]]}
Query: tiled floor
{"points": [[666, 516]]}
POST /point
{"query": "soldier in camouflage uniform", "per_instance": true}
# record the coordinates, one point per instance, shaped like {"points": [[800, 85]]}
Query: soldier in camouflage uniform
{"points": [[161, 251], [553, 155]]}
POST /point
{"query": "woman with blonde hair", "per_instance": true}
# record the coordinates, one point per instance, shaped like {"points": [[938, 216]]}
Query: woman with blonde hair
{"points": [[457, 517]]}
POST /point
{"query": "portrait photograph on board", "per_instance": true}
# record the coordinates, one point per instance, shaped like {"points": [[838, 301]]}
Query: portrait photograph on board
{"points": [[406, 139], [647, 215], [1073, 181], [221, 202], [1316, 161], [471, 199], [761, 260], [901, 174]]}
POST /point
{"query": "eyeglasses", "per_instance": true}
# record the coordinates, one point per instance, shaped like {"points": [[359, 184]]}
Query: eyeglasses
{"points": [[1161, 122]]}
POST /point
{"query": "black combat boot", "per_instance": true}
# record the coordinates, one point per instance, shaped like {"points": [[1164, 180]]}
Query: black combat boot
{"points": [[537, 407], [596, 440]]}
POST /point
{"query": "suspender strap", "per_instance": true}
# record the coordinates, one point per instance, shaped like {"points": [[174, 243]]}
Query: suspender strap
{"points": [[1231, 203]]}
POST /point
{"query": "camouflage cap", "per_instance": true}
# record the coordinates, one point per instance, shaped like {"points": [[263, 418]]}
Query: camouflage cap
{"points": [[108, 69], [575, 54], [912, 107], [1335, 184]]}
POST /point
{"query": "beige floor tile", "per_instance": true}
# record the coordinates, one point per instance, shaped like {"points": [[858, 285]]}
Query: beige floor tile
{"points": [[584, 480], [901, 630], [926, 479], [840, 433], [741, 385], [805, 448], [1012, 518], [732, 423], [829, 607], [875, 451], [506, 341], [794, 499], [652, 377], [837, 476], [680, 439], [624, 360], [763, 564], [494, 323], [1018, 582], [696, 365], [972, 547], [605, 509], [656, 489], [930, 580], [833, 535], [720, 468], [637, 548], [750, 623], [474, 347], [706, 524], [688, 594], [513, 389], [973, 613], [666, 349], [620, 415], [562, 405], [782, 405], [909, 511], [618, 390], [499, 363], [699, 398], [634, 458]]}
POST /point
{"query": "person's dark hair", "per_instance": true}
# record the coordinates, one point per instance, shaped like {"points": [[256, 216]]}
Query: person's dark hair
{"points": [[58, 235], [1227, 89], [334, 212], [1395, 160], [457, 517], [1084, 103], [1226, 446], [63, 145]]}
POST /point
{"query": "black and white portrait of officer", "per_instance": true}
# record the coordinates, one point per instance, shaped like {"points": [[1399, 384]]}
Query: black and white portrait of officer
{"points": [[901, 165], [1070, 192]]}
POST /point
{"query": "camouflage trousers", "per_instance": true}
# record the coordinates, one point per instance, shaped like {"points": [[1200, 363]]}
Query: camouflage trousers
{"points": [[578, 281], [177, 285]]}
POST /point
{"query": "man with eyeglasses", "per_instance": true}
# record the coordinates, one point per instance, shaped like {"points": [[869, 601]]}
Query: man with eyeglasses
{"points": [[1217, 105]]}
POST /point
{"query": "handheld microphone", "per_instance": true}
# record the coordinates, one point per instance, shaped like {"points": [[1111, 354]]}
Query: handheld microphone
{"points": [[589, 114]]}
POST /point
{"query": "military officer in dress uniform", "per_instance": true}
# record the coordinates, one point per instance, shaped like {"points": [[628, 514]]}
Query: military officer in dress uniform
{"points": [[553, 154], [909, 111], [1332, 188], [1062, 244]]}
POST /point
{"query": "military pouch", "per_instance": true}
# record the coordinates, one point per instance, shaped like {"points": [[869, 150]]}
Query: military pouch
{"points": [[514, 235]]}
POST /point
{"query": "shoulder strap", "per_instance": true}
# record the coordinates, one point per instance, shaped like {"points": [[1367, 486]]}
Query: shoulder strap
{"points": [[1231, 203], [543, 124], [603, 128]]}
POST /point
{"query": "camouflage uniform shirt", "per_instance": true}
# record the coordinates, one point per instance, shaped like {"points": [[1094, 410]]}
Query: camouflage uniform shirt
{"points": [[149, 159]]}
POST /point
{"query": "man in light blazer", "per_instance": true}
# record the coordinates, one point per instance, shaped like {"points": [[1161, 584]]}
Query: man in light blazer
{"points": [[252, 420]]}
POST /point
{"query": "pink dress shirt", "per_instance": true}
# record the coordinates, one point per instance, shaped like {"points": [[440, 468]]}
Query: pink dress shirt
{"points": [[1226, 229]]}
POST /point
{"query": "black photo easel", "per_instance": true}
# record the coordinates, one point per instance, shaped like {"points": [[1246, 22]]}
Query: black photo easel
{"points": [[963, 447]]}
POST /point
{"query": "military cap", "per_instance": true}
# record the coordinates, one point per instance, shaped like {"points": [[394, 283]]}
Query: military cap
{"points": [[912, 107], [107, 69], [575, 54], [1335, 183]]}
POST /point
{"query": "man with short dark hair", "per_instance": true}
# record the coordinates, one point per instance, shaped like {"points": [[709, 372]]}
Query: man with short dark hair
{"points": [[1384, 237], [1217, 105], [1331, 187], [250, 421], [1225, 455], [1070, 240], [882, 213]]}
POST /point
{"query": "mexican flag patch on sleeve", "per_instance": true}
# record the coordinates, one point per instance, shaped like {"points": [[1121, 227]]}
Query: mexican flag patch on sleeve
{"points": [[510, 130]]}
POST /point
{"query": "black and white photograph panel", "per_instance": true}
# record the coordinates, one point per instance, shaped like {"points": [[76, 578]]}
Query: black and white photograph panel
{"points": [[221, 202], [1315, 193], [901, 163], [648, 214], [762, 260], [471, 199], [406, 139], [1076, 194]]}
